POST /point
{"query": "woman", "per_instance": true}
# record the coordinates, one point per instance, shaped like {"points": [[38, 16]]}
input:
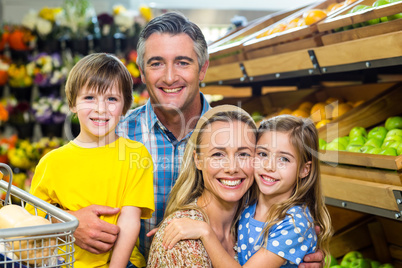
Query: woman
{"points": [[216, 174]]}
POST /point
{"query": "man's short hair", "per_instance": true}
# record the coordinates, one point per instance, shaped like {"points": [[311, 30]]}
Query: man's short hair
{"points": [[173, 23]]}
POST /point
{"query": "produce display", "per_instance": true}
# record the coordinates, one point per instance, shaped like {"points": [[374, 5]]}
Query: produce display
{"points": [[320, 112], [355, 259], [363, 8], [14, 216], [308, 17], [383, 140]]}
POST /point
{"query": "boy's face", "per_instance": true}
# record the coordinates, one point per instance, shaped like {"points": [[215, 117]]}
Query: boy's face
{"points": [[98, 113]]}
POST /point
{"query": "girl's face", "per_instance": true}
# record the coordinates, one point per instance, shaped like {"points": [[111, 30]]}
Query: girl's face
{"points": [[98, 114], [226, 160], [276, 166]]}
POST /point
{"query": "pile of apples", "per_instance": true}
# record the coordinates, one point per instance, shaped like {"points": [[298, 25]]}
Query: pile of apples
{"points": [[383, 140], [355, 259], [363, 8]]}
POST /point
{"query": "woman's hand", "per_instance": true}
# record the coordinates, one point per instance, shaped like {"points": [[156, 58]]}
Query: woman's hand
{"points": [[181, 229]]}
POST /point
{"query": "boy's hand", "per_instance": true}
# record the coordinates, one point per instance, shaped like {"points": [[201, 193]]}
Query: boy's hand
{"points": [[94, 234]]}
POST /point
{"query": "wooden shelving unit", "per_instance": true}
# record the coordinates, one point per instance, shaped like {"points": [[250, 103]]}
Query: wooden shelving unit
{"points": [[363, 192]]}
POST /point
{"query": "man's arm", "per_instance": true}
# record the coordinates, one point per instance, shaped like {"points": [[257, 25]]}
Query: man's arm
{"points": [[314, 260], [94, 234]]}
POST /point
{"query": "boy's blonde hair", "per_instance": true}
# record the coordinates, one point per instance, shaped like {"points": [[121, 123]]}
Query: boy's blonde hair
{"points": [[190, 184], [307, 191], [99, 71]]}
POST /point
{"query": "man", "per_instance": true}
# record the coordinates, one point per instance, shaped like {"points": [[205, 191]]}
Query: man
{"points": [[173, 60]]}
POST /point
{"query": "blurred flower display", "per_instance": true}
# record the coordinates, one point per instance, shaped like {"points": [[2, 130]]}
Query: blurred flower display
{"points": [[19, 76], [19, 112], [139, 98], [48, 70], [4, 66], [131, 64], [45, 23], [79, 18], [4, 35], [106, 24], [26, 155], [6, 144], [21, 38], [125, 19], [50, 110], [3, 114]]}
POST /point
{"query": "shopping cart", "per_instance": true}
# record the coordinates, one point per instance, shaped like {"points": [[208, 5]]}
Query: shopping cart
{"points": [[50, 245]]}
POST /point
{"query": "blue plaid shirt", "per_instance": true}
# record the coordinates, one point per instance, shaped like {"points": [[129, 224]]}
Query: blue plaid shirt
{"points": [[143, 125]]}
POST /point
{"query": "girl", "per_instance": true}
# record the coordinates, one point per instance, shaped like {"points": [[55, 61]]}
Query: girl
{"points": [[277, 226]]}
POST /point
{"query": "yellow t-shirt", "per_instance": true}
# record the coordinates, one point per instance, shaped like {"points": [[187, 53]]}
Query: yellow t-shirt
{"points": [[116, 175]]}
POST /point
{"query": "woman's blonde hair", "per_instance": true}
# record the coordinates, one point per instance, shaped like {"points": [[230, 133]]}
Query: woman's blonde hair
{"points": [[190, 185], [307, 191]]}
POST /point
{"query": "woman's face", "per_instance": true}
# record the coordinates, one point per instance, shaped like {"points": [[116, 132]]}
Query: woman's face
{"points": [[226, 160]]}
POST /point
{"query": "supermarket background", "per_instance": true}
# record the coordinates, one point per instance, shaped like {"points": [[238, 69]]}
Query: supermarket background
{"points": [[341, 65]]}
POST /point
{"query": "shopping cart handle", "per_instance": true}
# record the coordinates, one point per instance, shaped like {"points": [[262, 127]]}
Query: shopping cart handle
{"points": [[10, 181]]}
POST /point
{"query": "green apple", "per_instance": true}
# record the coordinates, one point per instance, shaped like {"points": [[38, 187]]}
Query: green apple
{"points": [[393, 137], [394, 132], [394, 17], [357, 132], [330, 261], [337, 266], [386, 265], [374, 142], [366, 148], [391, 144], [371, 22], [393, 122], [360, 263], [350, 257], [389, 151], [343, 140], [375, 151], [359, 8], [399, 150], [375, 264], [335, 146], [380, 3], [355, 148], [378, 133], [394, 1], [322, 144], [358, 140]]}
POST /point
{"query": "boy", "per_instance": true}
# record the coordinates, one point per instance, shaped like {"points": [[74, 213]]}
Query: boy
{"points": [[98, 167]]}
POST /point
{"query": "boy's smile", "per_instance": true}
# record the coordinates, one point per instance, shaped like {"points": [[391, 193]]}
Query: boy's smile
{"points": [[99, 115]]}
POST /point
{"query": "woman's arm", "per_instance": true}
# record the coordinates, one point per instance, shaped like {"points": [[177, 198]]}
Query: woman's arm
{"points": [[180, 229], [129, 223]]}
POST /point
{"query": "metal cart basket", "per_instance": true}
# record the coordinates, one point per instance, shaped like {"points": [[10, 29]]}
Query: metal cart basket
{"points": [[50, 245]]}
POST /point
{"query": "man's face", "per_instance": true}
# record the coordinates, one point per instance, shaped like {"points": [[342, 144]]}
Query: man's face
{"points": [[171, 72]]}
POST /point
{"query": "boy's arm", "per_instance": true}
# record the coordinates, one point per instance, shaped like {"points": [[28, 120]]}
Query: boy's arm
{"points": [[129, 223]]}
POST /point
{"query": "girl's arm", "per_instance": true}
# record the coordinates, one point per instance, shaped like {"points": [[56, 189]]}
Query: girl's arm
{"points": [[181, 229], [129, 223]]}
